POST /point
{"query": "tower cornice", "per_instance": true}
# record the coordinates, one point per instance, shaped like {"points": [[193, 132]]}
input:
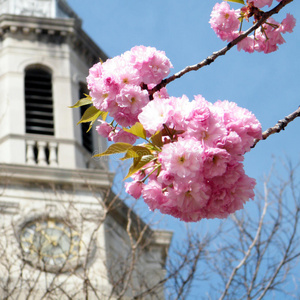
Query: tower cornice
{"points": [[39, 8], [51, 30], [83, 179]]}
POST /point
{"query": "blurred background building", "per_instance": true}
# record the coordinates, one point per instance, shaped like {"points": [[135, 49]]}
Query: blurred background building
{"points": [[64, 234]]}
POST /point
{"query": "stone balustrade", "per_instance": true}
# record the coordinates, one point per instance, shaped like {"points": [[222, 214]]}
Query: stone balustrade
{"points": [[48, 151], [41, 153], [52, 152]]}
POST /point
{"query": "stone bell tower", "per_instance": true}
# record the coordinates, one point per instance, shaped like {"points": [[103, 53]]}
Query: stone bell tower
{"points": [[62, 234], [44, 59]]}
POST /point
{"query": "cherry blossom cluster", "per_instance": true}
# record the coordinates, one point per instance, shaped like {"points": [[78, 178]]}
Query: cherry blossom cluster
{"points": [[198, 173], [193, 150], [226, 23], [119, 85]]}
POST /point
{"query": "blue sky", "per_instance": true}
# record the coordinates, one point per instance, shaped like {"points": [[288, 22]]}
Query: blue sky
{"points": [[268, 85]]}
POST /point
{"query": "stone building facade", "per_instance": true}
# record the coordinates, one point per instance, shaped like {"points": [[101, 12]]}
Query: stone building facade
{"points": [[64, 234]]}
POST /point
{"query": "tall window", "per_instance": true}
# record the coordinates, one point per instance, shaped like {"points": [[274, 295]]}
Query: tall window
{"points": [[38, 102], [86, 137]]}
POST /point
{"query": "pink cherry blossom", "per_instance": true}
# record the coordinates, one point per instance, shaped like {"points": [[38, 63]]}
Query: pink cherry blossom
{"points": [[124, 72], [247, 44], [239, 120], [288, 24], [104, 129], [187, 202], [155, 114], [183, 158], [165, 178], [226, 199], [268, 37], [215, 162], [122, 116], [180, 108], [199, 114], [224, 21], [95, 73], [162, 93], [133, 98], [153, 195], [134, 188], [122, 136], [152, 65], [261, 3], [103, 92]]}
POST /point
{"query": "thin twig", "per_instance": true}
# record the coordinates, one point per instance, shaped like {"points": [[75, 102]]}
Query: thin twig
{"points": [[284, 259], [243, 261], [281, 124]]}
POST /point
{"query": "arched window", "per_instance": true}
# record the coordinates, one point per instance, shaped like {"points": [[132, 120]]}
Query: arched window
{"points": [[38, 102], [86, 137]]}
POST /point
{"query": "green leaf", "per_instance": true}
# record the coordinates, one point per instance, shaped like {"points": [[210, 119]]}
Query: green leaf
{"points": [[156, 139], [236, 1], [82, 102], [93, 118], [138, 130], [138, 163], [91, 125], [136, 151], [104, 115], [90, 115], [114, 149]]}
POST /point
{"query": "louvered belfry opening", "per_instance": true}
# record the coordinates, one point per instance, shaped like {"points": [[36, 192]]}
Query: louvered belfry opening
{"points": [[38, 102], [86, 137]]}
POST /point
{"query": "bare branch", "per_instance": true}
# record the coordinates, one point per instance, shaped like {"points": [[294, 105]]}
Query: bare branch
{"points": [[243, 261], [281, 124], [272, 259]]}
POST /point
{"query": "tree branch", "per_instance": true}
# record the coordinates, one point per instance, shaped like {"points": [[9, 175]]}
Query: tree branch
{"points": [[247, 254], [281, 124], [222, 51]]}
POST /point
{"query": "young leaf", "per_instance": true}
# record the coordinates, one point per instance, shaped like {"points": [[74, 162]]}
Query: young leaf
{"points": [[82, 102], [138, 163], [104, 115], [91, 125], [236, 1], [156, 139], [91, 114], [136, 151], [115, 148], [137, 129]]}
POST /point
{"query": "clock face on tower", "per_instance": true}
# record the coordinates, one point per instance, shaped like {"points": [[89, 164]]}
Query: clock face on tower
{"points": [[50, 244]]}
